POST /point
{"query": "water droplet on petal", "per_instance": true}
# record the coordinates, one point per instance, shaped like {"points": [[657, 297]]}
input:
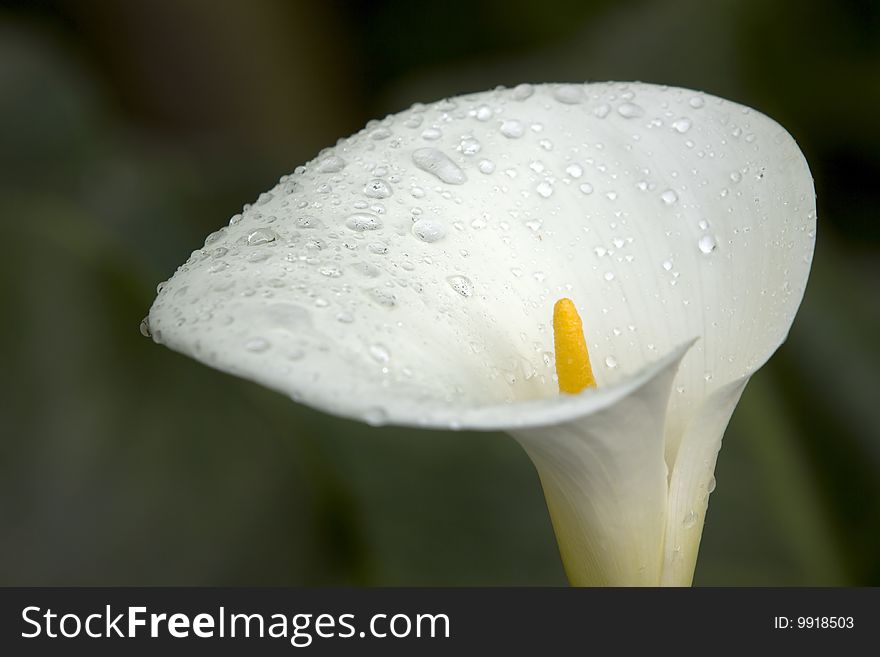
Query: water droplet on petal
{"points": [[375, 416], [380, 353], [331, 164], [696, 102], [429, 230], [522, 91], [261, 236], [483, 113], [669, 197], [689, 520], [601, 111], [707, 244], [470, 146], [461, 284], [257, 345], [377, 189], [145, 327], [610, 362], [712, 484], [544, 189], [681, 125], [630, 110], [570, 94], [574, 170], [362, 221], [512, 129], [486, 166], [438, 164], [586, 188]]}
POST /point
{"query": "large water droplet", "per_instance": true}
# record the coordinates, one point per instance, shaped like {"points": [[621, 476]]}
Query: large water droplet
{"points": [[331, 164], [145, 327], [375, 416], [669, 197], [261, 236], [681, 125], [483, 113], [461, 284], [707, 244], [712, 484], [438, 164], [512, 129], [257, 345], [429, 230], [630, 110], [380, 353], [470, 146], [574, 170], [486, 166], [361, 221], [570, 94], [522, 91], [377, 189], [544, 189]]}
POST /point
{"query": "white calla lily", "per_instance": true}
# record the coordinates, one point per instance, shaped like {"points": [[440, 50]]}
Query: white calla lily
{"points": [[408, 276]]}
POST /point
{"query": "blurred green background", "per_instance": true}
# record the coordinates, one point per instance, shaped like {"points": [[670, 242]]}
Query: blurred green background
{"points": [[128, 131]]}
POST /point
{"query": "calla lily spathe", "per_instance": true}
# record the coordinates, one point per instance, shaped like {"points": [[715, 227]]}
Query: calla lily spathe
{"points": [[408, 275]]}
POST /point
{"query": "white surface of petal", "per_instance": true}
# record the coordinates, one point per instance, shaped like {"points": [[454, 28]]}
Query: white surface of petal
{"points": [[408, 274], [605, 480]]}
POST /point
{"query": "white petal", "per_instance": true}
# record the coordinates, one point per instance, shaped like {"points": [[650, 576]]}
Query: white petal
{"points": [[668, 216], [604, 477]]}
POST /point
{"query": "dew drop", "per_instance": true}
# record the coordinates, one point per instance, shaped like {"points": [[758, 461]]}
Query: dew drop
{"points": [[696, 102], [483, 113], [569, 94], [438, 164], [377, 189], [486, 166], [380, 353], [512, 129], [375, 416], [544, 189], [461, 284], [712, 483], [608, 276], [363, 221], [522, 91], [429, 230], [470, 146], [601, 111], [610, 362], [574, 170], [145, 327], [630, 110], [261, 236], [331, 164], [586, 188], [669, 197], [707, 244], [681, 125], [689, 520], [257, 345]]}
